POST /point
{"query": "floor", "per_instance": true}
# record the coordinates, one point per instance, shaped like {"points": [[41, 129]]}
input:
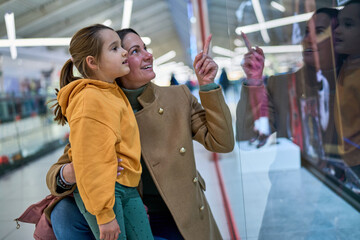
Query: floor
{"points": [[290, 204]]}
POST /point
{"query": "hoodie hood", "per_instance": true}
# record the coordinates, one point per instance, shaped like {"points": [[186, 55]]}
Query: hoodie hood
{"points": [[68, 92]]}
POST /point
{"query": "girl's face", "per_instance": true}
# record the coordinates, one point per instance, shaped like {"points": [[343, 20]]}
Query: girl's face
{"points": [[317, 42], [347, 34], [113, 62], [140, 63]]}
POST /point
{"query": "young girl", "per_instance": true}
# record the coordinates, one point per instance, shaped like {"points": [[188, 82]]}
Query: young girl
{"points": [[102, 129], [347, 36]]}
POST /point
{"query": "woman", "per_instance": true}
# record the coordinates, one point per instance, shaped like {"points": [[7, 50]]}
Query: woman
{"points": [[169, 119]]}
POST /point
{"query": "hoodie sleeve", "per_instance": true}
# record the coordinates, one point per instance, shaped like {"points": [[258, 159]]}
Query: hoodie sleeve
{"points": [[95, 163]]}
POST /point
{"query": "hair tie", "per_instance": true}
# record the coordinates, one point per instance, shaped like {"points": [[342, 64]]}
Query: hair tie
{"points": [[72, 59]]}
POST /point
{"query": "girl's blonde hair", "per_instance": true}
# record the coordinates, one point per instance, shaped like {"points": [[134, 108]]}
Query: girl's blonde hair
{"points": [[86, 42]]}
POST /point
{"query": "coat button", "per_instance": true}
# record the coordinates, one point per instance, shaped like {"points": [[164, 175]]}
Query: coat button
{"points": [[202, 208], [182, 150], [161, 110], [195, 180]]}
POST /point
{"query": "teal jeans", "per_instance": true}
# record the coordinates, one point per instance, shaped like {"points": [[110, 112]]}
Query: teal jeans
{"points": [[130, 214]]}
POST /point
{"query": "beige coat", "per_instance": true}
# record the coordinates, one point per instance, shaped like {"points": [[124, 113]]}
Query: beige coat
{"points": [[170, 119]]}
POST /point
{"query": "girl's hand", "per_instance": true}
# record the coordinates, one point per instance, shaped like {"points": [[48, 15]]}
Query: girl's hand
{"points": [[204, 65], [110, 230]]}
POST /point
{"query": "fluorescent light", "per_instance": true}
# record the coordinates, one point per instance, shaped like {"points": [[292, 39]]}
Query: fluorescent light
{"points": [[107, 22], [35, 42], [10, 29], [146, 40], [260, 17], [278, 6], [274, 23], [273, 49], [127, 13], [164, 58], [223, 51], [150, 50]]}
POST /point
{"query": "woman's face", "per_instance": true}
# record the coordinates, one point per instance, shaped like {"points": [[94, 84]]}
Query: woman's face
{"points": [[140, 63], [317, 42], [347, 34]]}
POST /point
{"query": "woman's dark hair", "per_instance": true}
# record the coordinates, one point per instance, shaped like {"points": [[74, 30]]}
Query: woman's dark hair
{"points": [[123, 32], [86, 42], [332, 12], [352, 2]]}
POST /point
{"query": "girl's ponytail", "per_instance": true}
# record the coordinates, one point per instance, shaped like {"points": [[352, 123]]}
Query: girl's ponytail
{"points": [[66, 74], [66, 77]]}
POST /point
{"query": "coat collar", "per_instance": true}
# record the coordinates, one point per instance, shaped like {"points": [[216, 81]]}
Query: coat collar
{"points": [[148, 96]]}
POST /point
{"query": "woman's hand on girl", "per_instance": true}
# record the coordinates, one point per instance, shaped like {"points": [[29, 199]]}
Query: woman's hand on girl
{"points": [[119, 168], [205, 67]]}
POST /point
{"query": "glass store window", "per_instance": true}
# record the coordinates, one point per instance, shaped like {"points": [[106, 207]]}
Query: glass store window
{"points": [[296, 66]]}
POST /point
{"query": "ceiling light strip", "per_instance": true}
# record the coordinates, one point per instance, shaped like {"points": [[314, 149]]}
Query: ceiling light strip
{"points": [[126, 14], [278, 6], [260, 17], [164, 58], [38, 42], [274, 23], [10, 29]]}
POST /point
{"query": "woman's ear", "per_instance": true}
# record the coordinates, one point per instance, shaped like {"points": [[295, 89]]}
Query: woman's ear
{"points": [[91, 62]]}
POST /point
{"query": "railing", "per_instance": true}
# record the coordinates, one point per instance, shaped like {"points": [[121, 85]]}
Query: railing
{"points": [[27, 130]]}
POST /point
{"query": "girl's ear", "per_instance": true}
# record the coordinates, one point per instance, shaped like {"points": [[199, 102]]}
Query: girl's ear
{"points": [[91, 62]]}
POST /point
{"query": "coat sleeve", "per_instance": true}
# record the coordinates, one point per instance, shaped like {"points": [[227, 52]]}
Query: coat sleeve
{"points": [[254, 102], [271, 103], [54, 172], [244, 112], [211, 123]]}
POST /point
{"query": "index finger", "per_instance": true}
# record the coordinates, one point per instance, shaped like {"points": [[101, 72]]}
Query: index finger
{"points": [[246, 41], [207, 44]]}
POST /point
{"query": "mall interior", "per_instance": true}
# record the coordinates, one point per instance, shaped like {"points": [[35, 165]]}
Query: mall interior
{"points": [[288, 71]]}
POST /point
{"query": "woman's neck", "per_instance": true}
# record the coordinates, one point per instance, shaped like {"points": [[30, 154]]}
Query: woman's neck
{"points": [[132, 95]]}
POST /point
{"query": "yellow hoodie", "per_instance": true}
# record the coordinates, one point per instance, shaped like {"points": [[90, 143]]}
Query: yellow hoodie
{"points": [[102, 128], [347, 111]]}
